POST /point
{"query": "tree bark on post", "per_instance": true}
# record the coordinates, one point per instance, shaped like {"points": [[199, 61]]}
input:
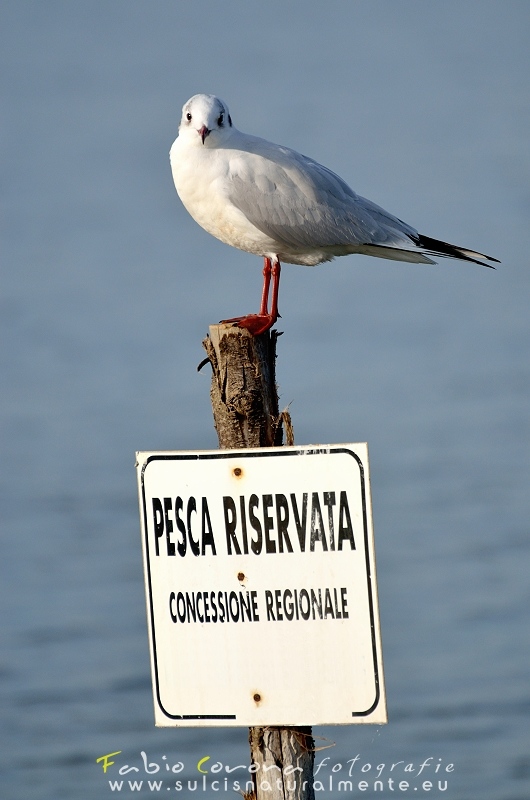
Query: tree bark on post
{"points": [[246, 414], [243, 391]]}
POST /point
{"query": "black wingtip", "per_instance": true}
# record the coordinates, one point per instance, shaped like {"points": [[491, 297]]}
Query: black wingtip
{"points": [[437, 247]]}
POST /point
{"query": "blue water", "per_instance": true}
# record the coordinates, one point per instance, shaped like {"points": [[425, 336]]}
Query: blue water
{"points": [[108, 288]]}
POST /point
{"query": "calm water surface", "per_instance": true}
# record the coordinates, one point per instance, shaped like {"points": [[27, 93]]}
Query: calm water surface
{"points": [[108, 288]]}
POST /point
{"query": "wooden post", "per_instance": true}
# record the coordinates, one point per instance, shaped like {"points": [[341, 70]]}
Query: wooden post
{"points": [[243, 390], [289, 755], [245, 409]]}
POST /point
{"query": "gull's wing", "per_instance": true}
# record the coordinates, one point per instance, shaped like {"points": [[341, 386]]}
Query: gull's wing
{"points": [[301, 204]]}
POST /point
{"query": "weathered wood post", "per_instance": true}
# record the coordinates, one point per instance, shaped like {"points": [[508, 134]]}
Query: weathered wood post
{"points": [[246, 414]]}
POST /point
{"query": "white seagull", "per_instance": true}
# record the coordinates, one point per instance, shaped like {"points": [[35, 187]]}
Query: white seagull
{"points": [[274, 202]]}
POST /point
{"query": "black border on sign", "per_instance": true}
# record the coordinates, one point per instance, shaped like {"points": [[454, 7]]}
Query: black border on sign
{"points": [[265, 453]]}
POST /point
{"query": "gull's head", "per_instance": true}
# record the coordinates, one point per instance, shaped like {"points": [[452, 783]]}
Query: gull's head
{"points": [[205, 120]]}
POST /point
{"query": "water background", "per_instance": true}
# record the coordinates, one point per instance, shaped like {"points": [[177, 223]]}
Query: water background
{"points": [[108, 288]]}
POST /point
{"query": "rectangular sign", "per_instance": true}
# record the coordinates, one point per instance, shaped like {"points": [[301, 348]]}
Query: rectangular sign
{"points": [[261, 587]]}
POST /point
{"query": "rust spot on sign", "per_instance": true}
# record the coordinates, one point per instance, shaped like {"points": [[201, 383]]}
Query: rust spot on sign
{"points": [[241, 577], [237, 472], [257, 698]]}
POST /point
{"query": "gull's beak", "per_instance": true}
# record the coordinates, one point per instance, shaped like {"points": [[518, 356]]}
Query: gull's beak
{"points": [[203, 132]]}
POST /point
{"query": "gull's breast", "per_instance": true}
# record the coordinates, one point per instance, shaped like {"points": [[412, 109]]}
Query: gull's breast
{"points": [[202, 185]]}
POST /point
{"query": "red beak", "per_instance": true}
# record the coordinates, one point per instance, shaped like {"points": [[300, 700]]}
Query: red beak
{"points": [[203, 133]]}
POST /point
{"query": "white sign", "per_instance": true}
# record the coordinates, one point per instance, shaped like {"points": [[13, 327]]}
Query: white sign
{"points": [[260, 586]]}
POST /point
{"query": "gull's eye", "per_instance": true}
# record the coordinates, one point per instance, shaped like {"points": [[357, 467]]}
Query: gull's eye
{"points": [[220, 120], [188, 116]]}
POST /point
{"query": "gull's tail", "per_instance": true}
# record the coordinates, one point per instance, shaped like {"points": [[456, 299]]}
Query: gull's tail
{"points": [[435, 247]]}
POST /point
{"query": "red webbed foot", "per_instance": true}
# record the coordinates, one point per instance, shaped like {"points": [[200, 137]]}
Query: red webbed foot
{"points": [[255, 323]]}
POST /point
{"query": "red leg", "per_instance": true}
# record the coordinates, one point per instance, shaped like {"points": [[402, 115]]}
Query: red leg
{"points": [[267, 269], [259, 323], [276, 270]]}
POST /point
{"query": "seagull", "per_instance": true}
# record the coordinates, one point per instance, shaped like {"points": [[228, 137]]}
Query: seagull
{"points": [[271, 201]]}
